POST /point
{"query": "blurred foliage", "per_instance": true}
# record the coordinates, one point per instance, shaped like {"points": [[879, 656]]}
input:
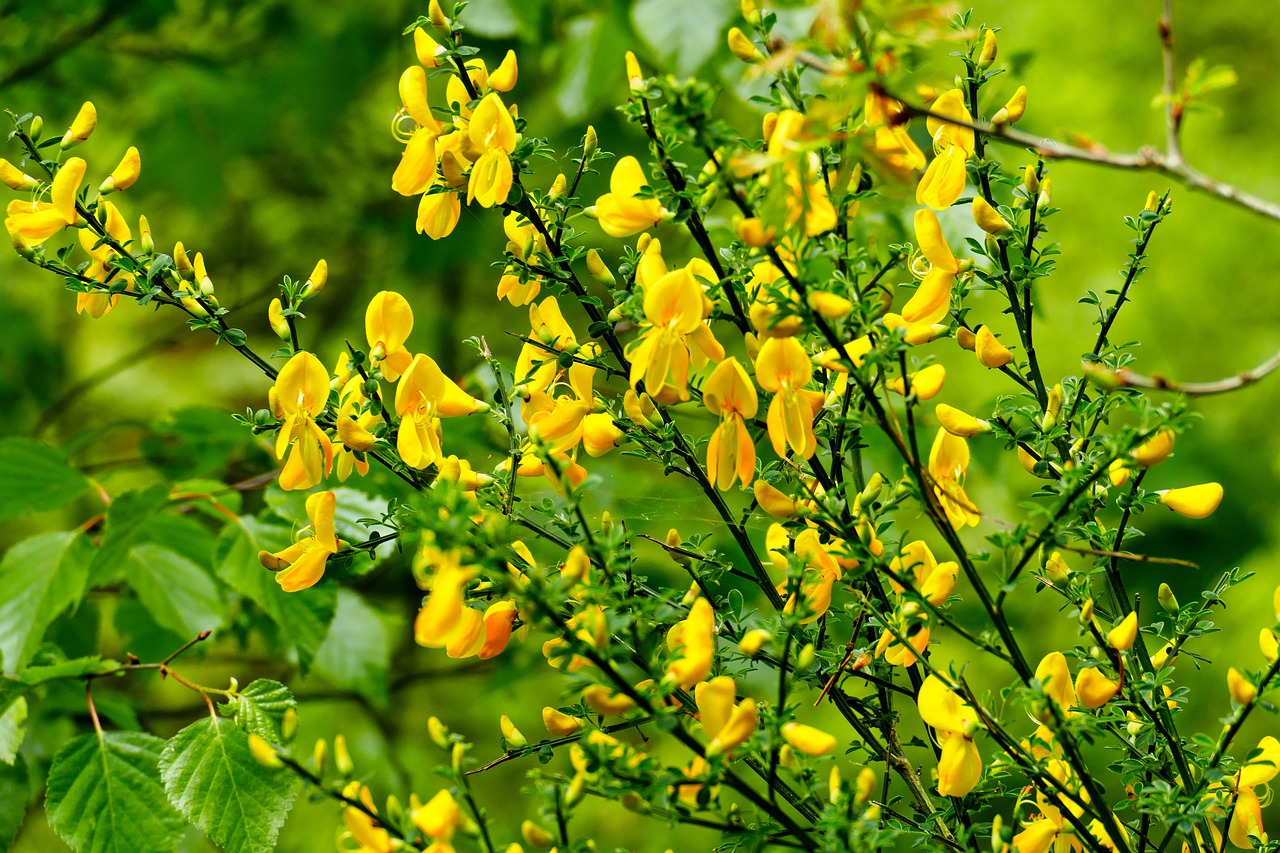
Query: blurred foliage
{"points": [[265, 132]]}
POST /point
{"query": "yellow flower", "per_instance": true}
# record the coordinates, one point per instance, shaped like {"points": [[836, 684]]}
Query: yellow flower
{"points": [[934, 581], [427, 48], [988, 218], [783, 368], [673, 309], [302, 564], [742, 47], [98, 303], [953, 722], [1246, 820], [438, 214], [1094, 689], [31, 223], [807, 739], [423, 396], [775, 502], [619, 212], [991, 353], [944, 180], [442, 613], [439, 818], [1193, 501], [737, 729], [1243, 691], [364, 830], [958, 423], [1055, 677], [731, 455], [125, 174], [560, 724], [503, 78], [932, 299], [354, 429], [298, 397], [1122, 636], [14, 178], [387, 323], [695, 639], [925, 383], [1154, 450], [82, 127], [948, 462]]}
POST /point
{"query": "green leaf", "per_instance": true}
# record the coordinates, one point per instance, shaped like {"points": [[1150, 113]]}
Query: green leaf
{"points": [[356, 653], [126, 524], [261, 707], [177, 593], [684, 35], [213, 779], [15, 790], [35, 478], [41, 577], [303, 617], [105, 795], [74, 668], [13, 728], [591, 57], [194, 442]]}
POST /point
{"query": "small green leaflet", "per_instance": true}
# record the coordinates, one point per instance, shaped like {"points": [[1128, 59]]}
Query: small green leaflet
{"points": [[105, 795], [260, 708], [213, 779], [41, 577]]}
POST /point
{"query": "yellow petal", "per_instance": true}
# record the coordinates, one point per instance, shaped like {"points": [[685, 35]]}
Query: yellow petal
{"points": [[1193, 501]]}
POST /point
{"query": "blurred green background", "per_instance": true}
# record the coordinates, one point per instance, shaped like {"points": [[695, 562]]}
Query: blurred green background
{"points": [[265, 136]]}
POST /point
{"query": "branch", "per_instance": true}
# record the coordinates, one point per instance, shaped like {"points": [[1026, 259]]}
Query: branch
{"points": [[1125, 378]]}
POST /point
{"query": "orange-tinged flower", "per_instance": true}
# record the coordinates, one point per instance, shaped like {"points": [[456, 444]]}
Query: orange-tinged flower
{"points": [[619, 211], [302, 564], [387, 323], [731, 454], [783, 368], [948, 462], [423, 396], [299, 396]]}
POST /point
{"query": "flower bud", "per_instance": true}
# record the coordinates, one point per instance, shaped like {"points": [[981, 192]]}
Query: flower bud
{"points": [[753, 640], [742, 47], [1154, 450], [1013, 110], [865, 786], [1168, 601], [834, 785], [275, 317], [577, 788], [559, 723], [1242, 690], [807, 739], [436, 15], [289, 725], [1053, 408], [319, 756], [959, 423], [317, 280], [512, 735], [82, 128], [875, 484], [750, 11], [991, 353], [599, 269], [988, 55], [503, 78], [988, 218], [1056, 568], [1118, 473], [341, 757], [14, 178], [146, 244], [36, 130], [1122, 637], [1153, 201], [1269, 645], [635, 77], [125, 174], [535, 836], [1086, 613], [438, 732], [590, 142], [264, 753], [805, 659], [1031, 180], [1193, 501]]}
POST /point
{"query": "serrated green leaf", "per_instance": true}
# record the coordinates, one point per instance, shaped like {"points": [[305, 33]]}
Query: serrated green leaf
{"points": [[213, 779], [356, 654], [303, 617], [125, 524], [41, 577], [15, 790], [177, 593], [35, 478], [261, 707], [105, 795], [74, 668]]}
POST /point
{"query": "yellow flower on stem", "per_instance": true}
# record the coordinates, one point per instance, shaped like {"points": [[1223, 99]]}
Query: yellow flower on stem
{"points": [[438, 819], [673, 309], [932, 299], [1094, 689], [783, 368], [731, 454], [737, 729], [807, 739], [417, 167], [298, 397], [125, 174], [302, 564], [32, 223], [954, 724], [387, 323], [959, 423], [438, 214], [1246, 820], [442, 613], [364, 830], [82, 127], [423, 396], [14, 178], [492, 131], [1055, 678], [991, 353], [354, 429], [944, 180], [695, 639], [619, 211], [1193, 501], [948, 462], [934, 581], [98, 303]]}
